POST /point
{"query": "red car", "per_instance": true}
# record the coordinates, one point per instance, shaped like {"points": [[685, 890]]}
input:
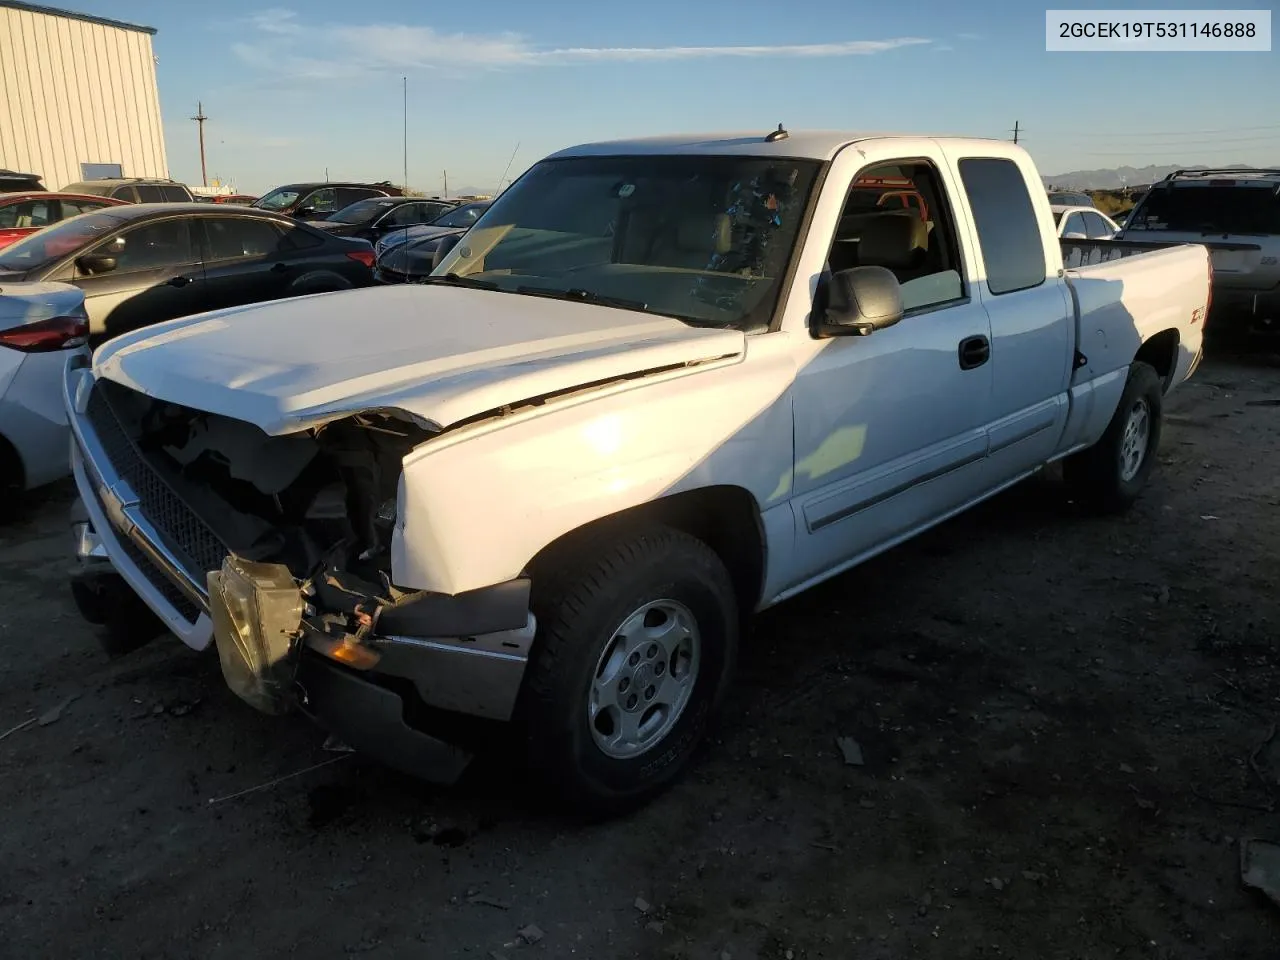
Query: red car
{"points": [[25, 213]]}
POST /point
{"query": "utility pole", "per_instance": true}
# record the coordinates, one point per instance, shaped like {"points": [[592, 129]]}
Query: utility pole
{"points": [[200, 118], [406, 135], [1015, 131], [446, 185]]}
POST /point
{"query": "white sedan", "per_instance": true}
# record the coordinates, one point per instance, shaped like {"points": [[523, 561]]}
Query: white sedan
{"points": [[1083, 223], [41, 325]]}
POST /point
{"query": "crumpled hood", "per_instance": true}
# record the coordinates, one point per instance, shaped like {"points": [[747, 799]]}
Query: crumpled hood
{"points": [[440, 354]]}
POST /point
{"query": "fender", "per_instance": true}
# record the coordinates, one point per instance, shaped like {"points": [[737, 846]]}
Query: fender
{"points": [[478, 503]]}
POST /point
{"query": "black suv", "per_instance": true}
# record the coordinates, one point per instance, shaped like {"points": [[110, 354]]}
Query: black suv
{"points": [[11, 181], [315, 201], [133, 190]]}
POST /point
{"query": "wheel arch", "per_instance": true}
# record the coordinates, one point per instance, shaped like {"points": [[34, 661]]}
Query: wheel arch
{"points": [[1160, 351], [319, 281], [725, 517]]}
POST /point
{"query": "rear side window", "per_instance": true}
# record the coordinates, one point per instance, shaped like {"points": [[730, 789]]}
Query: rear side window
{"points": [[1210, 208], [1096, 227], [127, 194], [174, 194], [149, 193], [298, 238], [1008, 230], [231, 238]]}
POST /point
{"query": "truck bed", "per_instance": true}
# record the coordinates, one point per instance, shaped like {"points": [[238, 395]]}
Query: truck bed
{"points": [[1133, 292], [1228, 257]]}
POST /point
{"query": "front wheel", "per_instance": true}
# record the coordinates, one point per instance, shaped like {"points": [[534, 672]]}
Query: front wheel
{"points": [[637, 639], [1110, 475]]}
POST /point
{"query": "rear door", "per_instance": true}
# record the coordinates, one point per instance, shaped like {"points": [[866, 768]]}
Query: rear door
{"points": [[349, 195], [245, 261], [157, 275]]}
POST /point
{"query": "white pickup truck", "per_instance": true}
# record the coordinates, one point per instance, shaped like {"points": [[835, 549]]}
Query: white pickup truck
{"points": [[659, 385]]}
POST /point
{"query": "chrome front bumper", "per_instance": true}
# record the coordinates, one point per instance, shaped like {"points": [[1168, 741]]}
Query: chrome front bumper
{"points": [[476, 675]]}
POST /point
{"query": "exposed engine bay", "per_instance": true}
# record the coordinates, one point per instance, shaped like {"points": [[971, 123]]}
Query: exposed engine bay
{"points": [[321, 502]]}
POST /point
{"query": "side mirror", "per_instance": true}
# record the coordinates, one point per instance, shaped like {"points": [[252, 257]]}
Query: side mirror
{"points": [[304, 212], [860, 301], [443, 246], [96, 263], [1074, 236]]}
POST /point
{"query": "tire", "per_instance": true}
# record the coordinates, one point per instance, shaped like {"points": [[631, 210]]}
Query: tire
{"points": [[581, 608], [1106, 476], [12, 483], [125, 622]]}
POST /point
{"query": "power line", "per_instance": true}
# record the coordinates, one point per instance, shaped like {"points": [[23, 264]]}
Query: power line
{"points": [[1165, 133], [1182, 149]]}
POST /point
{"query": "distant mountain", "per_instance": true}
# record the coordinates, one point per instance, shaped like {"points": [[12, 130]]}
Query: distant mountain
{"points": [[1118, 177]]}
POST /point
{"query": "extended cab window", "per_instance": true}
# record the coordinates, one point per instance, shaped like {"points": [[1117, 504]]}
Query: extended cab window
{"points": [[916, 239], [1008, 230]]}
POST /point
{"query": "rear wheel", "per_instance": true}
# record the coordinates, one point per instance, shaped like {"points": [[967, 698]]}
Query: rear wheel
{"points": [[636, 643], [1110, 475]]}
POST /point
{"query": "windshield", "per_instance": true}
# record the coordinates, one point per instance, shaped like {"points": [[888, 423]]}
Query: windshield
{"points": [[701, 238], [463, 216], [53, 243], [362, 211], [1210, 209], [277, 199]]}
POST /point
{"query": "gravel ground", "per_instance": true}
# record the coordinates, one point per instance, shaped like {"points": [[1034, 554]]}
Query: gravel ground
{"points": [[1063, 721]]}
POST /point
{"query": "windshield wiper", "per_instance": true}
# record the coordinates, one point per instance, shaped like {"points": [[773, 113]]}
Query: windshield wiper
{"points": [[457, 280], [585, 296]]}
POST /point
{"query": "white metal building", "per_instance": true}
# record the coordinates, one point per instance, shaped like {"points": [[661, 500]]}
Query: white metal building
{"points": [[78, 96]]}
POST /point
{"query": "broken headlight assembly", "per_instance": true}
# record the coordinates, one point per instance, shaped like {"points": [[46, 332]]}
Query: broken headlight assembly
{"points": [[257, 616]]}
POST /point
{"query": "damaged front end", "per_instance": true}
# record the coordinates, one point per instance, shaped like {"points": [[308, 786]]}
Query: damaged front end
{"points": [[284, 543]]}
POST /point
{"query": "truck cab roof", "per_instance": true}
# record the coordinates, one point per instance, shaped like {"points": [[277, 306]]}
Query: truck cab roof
{"points": [[805, 144]]}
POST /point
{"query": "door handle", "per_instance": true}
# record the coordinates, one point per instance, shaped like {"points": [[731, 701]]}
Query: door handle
{"points": [[178, 281], [974, 352], [279, 267]]}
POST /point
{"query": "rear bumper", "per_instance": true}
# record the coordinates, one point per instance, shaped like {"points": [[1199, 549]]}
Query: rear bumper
{"points": [[1236, 307]]}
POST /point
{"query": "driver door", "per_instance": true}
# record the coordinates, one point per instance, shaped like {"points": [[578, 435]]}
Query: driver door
{"points": [[157, 275], [891, 428]]}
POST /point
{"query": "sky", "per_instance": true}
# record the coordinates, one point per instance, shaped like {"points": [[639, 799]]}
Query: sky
{"points": [[304, 88]]}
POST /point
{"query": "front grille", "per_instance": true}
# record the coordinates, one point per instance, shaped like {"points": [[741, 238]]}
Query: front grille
{"points": [[196, 546], [168, 589]]}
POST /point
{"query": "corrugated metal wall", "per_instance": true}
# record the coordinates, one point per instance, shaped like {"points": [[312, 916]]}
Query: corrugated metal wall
{"points": [[74, 92]]}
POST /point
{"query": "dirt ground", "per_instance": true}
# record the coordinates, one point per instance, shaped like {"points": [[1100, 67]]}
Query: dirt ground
{"points": [[1058, 716]]}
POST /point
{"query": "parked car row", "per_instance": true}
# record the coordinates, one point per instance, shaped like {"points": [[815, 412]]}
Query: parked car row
{"points": [[139, 264]]}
